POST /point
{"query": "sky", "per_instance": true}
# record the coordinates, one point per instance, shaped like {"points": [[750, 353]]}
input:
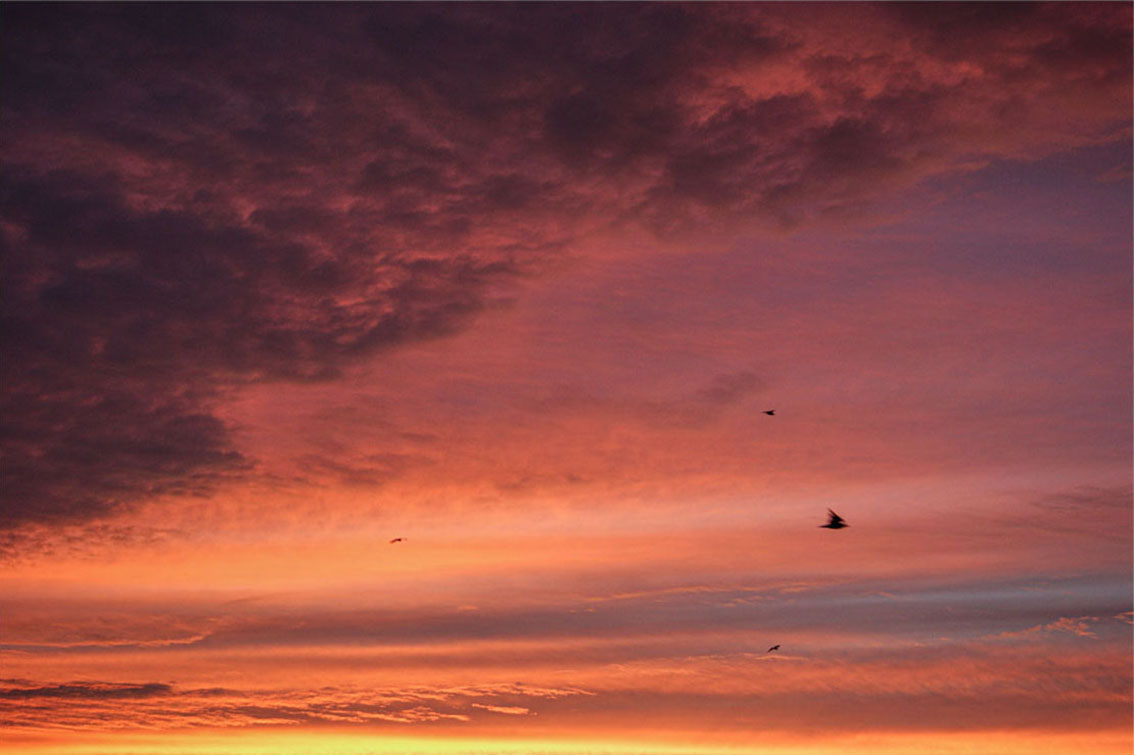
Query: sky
{"points": [[517, 284]]}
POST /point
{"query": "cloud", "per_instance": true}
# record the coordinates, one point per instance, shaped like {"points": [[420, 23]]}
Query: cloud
{"points": [[87, 540], [1081, 626], [659, 618], [692, 410], [88, 690], [105, 627], [126, 330], [1086, 500], [319, 185], [371, 470], [1095, 511], [1015, 688], [81, 705], [508, 710]]}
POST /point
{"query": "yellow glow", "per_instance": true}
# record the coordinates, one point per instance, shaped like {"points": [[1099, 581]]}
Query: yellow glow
{"points": [[337, 742]]}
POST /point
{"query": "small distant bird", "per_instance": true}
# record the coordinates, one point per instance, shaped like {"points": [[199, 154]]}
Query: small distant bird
{"points": [[773, 649], [770, 412], [835, 522], [397, 540]]}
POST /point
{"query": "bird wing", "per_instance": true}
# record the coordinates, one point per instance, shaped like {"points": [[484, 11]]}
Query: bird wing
{"points": [[835, 518]]}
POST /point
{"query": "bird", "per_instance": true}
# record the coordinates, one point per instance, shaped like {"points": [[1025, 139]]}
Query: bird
{"points": [[773, 649], [397, 540], [770, 412], [835, 521]]}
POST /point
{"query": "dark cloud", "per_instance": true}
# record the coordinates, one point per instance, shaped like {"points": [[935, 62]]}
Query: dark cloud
{"points": [[948, 21], [195, 197], [88, 451], [123, 326], [88, 690], [81, 540], [1048, 35]]}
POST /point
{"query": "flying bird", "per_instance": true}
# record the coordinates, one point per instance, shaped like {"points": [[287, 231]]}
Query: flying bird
{"points": [[773, 649], [397, 540], [835, 522], [770, 412]]}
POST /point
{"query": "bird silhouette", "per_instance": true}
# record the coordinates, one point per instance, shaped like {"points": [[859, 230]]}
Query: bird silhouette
{"points": [[770, 412], [397, 540], [773, 649], [835, 521]]}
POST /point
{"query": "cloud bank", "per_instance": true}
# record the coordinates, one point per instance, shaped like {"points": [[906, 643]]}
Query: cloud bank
{"points": [[195, 199]]}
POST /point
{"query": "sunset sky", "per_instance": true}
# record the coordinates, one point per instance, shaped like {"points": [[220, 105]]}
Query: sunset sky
{"points": [[516, 283]]}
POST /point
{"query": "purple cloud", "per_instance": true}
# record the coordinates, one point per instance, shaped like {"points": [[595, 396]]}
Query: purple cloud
{"points": [[198, 198]]}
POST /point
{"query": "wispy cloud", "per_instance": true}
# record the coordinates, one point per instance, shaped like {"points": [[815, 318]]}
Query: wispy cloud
{"points": [[1080, 626], [90, 705]]}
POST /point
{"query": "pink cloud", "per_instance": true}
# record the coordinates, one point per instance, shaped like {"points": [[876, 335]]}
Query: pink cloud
{"points": [[252, 222]]}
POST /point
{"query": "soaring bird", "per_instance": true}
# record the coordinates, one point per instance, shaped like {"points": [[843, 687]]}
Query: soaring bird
{"points": [[397, 540], [770, 412], [835, 522], [773, 649]]}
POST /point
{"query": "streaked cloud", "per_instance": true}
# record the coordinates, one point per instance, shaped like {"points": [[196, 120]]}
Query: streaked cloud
{"points": [[163, 706]]}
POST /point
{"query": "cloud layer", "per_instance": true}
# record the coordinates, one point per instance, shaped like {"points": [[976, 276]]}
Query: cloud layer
{"points": [[196, 199], [515, 285]]}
